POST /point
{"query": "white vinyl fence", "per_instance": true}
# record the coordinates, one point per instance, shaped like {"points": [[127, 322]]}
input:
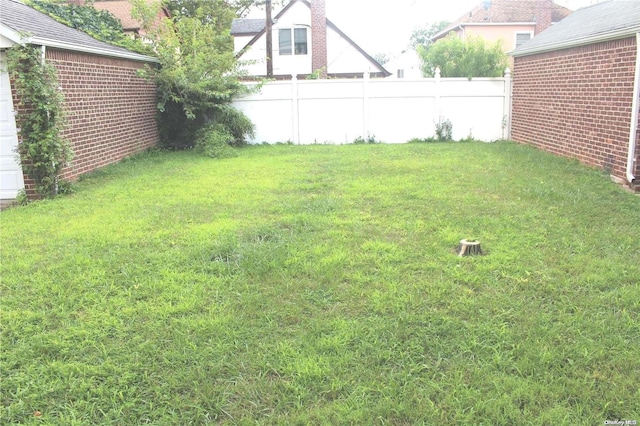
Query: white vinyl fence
{"points": [[390, 110]]}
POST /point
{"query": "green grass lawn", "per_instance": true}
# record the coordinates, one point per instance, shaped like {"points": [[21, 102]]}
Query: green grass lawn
{"points": [[319, 285]]}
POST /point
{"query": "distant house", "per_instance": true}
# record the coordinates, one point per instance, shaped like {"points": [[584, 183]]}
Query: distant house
{"points": [[121, 9], [111, 110], [513, 21], [304, 42], [406, 65], [576, 89]]}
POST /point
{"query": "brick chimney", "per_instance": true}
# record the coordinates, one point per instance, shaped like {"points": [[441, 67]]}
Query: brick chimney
{"points": [[544, 9], [318, 37]]}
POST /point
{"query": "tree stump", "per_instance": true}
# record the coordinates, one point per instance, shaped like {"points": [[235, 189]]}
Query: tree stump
{"points": [[469, 248]]}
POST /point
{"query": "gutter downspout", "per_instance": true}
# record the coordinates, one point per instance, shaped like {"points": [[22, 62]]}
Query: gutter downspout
{"points": [[634, 117]]}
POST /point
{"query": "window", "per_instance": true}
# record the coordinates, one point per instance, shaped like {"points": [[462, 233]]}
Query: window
{"points": [[522, 38], [299, 38]]}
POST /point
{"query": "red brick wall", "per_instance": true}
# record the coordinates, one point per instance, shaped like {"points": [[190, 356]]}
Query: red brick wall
{"points": [[111, 112], [577, 102]]}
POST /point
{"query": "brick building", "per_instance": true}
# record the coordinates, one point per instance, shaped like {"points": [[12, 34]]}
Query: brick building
{"points": [[576, 85], [111, 110], [513, 22]]}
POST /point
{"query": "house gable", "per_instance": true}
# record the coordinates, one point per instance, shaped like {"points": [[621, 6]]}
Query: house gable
{"points": [[122, 9], [505, 12], [514, 22], [344, 56]]}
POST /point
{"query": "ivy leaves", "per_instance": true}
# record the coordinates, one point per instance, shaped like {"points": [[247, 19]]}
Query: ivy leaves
{"points": [[42, 150]]}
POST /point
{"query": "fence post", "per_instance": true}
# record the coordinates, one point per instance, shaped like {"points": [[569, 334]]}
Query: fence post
{"points": [[506, 120], [365, 105], [437, 95], [294, 109]]}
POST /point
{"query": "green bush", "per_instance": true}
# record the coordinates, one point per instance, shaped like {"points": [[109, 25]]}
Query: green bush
{"points": [[444, 130], [370, 139], [471, 57], [178, 132], [422, 140], [215, 141], [43, 150], [236, 123]]}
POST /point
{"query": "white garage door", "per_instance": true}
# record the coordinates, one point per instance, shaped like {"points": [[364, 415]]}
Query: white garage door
{"points": [[11, 180]]}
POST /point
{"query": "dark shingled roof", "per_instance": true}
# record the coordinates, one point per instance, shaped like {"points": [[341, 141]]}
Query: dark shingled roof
{"points": [[247, 26], [609, 20], [45, 30], [504, 11]]}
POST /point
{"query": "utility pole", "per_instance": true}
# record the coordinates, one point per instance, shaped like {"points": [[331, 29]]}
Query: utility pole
{"points": [[269, 29]]}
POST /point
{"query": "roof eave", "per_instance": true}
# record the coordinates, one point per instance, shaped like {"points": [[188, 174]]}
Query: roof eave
{"points": [[11, 34], [93, 50], [19, 38], [495, 24], [566, 44]]}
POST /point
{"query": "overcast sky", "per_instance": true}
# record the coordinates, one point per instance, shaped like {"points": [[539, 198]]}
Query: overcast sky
{"points": [[384, 26]]}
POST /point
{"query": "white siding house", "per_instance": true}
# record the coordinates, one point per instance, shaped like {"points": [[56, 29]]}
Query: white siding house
{"points": [[294, 38]]}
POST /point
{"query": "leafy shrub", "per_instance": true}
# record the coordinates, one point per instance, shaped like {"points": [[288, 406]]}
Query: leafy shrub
{"points": [[371, 139], [236, 122], [215, 141], [469, 57], [178, 132], [444, 130], [43, 151], [422, 140]]}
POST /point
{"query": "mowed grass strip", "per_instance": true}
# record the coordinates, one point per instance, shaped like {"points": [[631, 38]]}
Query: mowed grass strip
{"points": [[319, 285]]}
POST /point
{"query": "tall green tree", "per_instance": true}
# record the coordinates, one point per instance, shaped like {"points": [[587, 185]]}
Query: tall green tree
{"points": [[206, 9], [471, 57], [198, 76], [422, 36]]}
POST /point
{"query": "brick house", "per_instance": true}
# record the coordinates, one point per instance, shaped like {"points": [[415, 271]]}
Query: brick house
{"points": [[514, 22], [111, 111], [576, 87], [304, 42], [122, 9]]}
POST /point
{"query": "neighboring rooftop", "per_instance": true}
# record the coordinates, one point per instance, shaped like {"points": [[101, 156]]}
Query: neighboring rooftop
{"points": [[44, 30], [505, 11], [600, 22], [121, 9], [247, 27]]}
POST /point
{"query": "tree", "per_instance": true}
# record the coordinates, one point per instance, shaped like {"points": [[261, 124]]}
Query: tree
{"points": [[422, 36], [208, 8], [198, 77], [472, 57], [381, 58]]}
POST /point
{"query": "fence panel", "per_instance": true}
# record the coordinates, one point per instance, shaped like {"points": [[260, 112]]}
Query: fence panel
{"points": [[393, 111]]}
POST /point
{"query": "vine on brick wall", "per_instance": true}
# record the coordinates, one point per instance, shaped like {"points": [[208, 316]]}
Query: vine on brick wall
{"points": [[43, 152]]}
